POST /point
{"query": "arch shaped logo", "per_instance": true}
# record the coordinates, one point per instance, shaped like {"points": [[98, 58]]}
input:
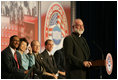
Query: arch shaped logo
{"points": [[56, 26]]}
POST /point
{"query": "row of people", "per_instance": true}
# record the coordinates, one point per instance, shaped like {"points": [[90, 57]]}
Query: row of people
{"points": [[16, 64], [76, 57]]}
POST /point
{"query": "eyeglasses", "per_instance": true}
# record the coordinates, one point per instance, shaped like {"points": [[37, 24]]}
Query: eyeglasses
{"points": [[79, 25]]}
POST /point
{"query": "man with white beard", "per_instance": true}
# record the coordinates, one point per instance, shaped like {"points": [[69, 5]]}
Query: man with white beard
{"points": [[76, 52]]}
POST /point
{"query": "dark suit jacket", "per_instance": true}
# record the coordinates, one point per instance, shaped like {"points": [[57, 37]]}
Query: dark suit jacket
{"points": [[38, 65], [60, 59], [76, 51], [48, 64], [9, 67]]}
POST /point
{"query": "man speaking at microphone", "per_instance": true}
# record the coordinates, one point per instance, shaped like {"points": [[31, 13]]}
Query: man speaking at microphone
{"points": [[77, 52]]}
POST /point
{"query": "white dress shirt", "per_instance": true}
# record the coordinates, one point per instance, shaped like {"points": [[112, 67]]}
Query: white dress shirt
{"points": [[12, 50]]}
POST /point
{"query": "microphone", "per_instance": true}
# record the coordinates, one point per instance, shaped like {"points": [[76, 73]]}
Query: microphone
{"points": [[100, 49]]}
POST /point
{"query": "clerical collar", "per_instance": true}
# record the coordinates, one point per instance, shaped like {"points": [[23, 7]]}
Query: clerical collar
{"points": [[80, 35], [49, 53]]}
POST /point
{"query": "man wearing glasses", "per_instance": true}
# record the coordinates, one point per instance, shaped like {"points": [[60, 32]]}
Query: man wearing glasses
{"points": [[76, 52]]}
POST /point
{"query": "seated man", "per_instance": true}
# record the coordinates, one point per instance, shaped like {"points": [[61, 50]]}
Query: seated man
{"points": [[49, 61], [39, 69], [11, 67]]}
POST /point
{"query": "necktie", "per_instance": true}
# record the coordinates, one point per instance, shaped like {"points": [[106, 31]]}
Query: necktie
{"points": [[51, 57], [15, 57]]}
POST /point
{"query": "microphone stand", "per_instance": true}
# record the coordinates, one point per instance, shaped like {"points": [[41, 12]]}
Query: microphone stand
{"points": [[102, 57]]}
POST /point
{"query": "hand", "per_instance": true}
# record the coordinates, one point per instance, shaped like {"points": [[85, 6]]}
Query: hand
{"points": [[30, 49], [50, 74], [25, 72], [56, 77], [87, 64], [62, 73]]}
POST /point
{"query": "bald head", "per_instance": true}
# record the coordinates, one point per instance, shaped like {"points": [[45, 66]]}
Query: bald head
{"points": [[35, 46], [77, 21]]}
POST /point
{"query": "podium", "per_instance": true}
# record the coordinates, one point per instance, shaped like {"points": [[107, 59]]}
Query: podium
{"points": [[98, 63], [108, 63]]}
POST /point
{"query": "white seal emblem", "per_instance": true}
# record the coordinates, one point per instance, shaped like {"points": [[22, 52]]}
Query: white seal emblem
{"points": [[109, 64]]}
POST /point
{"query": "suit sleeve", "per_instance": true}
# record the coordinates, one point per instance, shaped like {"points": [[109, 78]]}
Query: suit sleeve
{"points": [[57, 56], [38, 67], [69, 53], [46, 65]]}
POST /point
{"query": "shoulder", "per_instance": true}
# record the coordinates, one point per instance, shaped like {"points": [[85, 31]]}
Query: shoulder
{"points": [[44, 52], [6, 51], [57, 53], [67, 38]]}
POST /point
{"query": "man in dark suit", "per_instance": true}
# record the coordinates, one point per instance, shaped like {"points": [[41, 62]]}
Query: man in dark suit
{"points": [[11, 66], [60, 59], [76, 52], [39, 68], [48, 58]]}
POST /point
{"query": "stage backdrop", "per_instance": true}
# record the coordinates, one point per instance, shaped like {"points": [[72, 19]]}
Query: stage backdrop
{"points": [[35, 20], [55, 22], [18, 18]]}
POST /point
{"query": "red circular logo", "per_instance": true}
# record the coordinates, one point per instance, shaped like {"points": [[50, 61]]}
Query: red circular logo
{"points": [[109, 64]]}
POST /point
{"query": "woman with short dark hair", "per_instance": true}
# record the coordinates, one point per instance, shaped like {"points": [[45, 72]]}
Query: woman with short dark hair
{"points": [[28, 59]]}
